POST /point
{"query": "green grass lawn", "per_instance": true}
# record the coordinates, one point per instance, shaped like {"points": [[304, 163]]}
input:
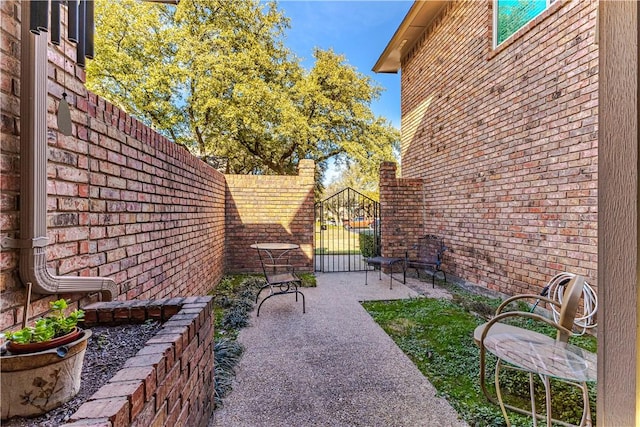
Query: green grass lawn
{"points": [[437, 335], [337, 240]]}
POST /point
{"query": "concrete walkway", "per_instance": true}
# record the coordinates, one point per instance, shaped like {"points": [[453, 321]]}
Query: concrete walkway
{"points": [[333, 366]]}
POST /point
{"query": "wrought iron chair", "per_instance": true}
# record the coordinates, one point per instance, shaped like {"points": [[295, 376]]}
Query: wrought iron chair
{"points": [[570, 288], [429, 252], [280, 280]]}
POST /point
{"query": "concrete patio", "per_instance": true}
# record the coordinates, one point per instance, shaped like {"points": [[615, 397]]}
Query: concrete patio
{"points": [[333, 366]]}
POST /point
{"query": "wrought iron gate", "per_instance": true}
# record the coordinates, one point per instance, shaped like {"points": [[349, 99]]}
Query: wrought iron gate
{"points": [[347, 229]]}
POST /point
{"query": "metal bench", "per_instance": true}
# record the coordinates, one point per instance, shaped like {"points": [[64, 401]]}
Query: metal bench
{"points": [[429, 252]]}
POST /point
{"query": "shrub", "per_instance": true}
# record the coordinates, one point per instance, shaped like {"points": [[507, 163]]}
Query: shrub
{"points": [[227, 354], [369, 244]]}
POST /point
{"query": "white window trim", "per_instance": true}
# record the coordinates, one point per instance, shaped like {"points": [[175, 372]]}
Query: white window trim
{"points": [[495, 22]]}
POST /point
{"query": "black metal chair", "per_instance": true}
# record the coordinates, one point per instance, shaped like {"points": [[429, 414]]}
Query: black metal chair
{"points": [[280, 280], [429, 253]]}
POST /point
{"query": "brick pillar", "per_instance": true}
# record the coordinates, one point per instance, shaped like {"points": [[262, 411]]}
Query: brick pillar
{"points": [[401, 210], [307, 168]]}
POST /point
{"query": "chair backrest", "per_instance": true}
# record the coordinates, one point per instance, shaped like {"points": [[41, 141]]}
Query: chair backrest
{"points": [[570, 303], [430, 249], [262, 263]]}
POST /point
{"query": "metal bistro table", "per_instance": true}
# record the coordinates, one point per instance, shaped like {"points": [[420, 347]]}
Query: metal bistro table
{"points": [[547, 358], [280, 250], [279, 274], [381, 261]]}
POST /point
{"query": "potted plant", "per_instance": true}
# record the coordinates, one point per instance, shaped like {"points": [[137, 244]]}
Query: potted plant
{"points": [[41, 364], [48, 332]]}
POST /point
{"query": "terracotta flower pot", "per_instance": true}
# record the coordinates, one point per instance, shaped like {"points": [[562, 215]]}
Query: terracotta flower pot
{"points": [[33, 347]]}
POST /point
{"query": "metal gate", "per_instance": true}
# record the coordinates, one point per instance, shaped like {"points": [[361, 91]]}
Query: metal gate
{"points": [[347, 229]]}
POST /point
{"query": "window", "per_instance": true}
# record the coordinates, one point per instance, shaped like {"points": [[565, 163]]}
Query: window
{"points": [[511, 15]]}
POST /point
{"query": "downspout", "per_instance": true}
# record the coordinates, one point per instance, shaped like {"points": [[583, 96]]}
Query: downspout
{"points": [[33, 177]]}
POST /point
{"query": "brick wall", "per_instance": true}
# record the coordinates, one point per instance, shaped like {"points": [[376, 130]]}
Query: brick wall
{"points": [[123, 202], [505, 142], [269, 208], [170, 380], [402, 212]]}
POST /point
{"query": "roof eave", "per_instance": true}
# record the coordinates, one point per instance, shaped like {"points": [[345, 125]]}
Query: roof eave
{"points": [[419, 18]]}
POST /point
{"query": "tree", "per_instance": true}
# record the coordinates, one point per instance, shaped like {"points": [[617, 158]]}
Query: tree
{"points": [[216, 77]]}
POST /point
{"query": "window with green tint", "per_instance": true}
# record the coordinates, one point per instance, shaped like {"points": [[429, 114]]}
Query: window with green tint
{"points": [[511, 15]]}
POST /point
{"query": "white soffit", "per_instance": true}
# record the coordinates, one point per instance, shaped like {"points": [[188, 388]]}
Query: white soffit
{"points": [[419, 18]]}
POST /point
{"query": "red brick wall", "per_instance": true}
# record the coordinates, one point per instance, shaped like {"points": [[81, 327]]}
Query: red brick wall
{"points": [[123, 201], [269, 208], [505, 142], [170, 380], [401, 210]]}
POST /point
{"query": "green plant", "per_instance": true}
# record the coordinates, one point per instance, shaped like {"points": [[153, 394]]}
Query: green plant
{"points": [[56, 324], [368, 246], [437, 335], [227, 354]]}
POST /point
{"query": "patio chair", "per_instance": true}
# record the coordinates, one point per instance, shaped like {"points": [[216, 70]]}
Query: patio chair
{"points": [[429, 253], [569, 290], [280, 280]]}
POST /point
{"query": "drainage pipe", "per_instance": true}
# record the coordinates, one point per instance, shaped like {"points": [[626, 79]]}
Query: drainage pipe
{"points": [[33, 176]]}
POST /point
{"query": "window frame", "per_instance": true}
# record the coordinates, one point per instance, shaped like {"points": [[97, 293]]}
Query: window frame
{"points": [[494, 41]]}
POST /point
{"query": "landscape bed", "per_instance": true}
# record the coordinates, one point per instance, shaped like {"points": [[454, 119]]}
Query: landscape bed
{"points": [[169, 380]]}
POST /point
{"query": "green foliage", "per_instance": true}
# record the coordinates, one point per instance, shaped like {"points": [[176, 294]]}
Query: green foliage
{"points": [[308, 280], [227, 354], [216, 77], [368, 245], [56, 324], [438, 336], [234, 298]]}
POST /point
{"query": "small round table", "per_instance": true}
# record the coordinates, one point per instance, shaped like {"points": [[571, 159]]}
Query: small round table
{"points": [[548, 358], [270, 248]]}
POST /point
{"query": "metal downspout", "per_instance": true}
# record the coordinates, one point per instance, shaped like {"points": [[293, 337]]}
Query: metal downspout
{"points": [[33, 175]]}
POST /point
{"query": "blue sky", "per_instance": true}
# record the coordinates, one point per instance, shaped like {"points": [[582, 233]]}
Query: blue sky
{"points": [[358, 29]]}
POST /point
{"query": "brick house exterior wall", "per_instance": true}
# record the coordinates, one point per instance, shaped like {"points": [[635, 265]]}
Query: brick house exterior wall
{"points": [[505, 143], [125, 202]]}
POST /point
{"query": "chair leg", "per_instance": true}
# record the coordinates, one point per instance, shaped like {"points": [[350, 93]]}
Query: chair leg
{"points": [[532, 396], [303, 303], [261, 289], [547, 398], [586, 410], [262, 302], [296, 291], [433, 278], [499, 393]]}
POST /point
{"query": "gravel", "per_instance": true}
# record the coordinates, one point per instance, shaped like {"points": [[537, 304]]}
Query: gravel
{"points": [[107, 350]]}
